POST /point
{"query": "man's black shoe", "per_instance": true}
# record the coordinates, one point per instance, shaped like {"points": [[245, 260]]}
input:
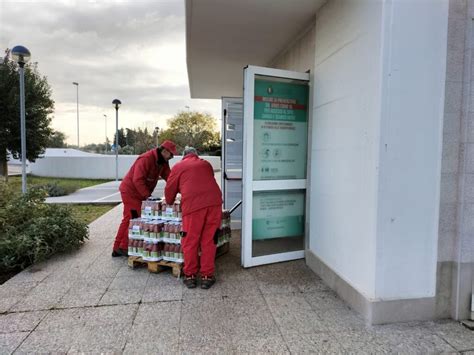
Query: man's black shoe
{"points": [[190, 281], [207, 282], [119, 252]]}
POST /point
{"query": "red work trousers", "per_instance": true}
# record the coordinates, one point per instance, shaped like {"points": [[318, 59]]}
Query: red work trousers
{"points": [[129, 204], [200, 227]]}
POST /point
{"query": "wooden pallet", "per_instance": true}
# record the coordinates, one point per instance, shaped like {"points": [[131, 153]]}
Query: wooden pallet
{"points": [[155, 266], [159, 266]]}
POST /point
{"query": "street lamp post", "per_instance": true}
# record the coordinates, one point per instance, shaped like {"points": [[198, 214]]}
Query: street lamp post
{"points": [[157, 130], [105, 116], [77, 110], [22, 55], [116, 104]]}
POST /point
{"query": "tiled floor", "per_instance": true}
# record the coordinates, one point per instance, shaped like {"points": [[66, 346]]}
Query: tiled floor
{"points": [[89, 302]]}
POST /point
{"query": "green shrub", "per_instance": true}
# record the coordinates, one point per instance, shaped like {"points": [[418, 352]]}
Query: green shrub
{"points": [[32, 231], [55, 189]]}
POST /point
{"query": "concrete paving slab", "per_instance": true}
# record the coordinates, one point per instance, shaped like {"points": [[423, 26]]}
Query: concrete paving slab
{"points": [[260, 324], [224, 288], [247, 306], [300, 322], [290, 303], [80, 298], [147, 339], [455, 334], [314, 343], [362, 342], [99, 271], [162, 293], [63, 318], [57, 342], [130, 283], [161, 314], [310, 283], [117, 297], [20, 322], [103, 315], [270, 344], [234, 276], [340, 320], [212, 308], [158, 347], [7, 303], [208, 327], [324, 300], [36, 303], [163, 279], [217, 291], [409, 340], [30, 275], [212, 343], [275, 287], [10, 341], [87, 283], [127, 271], [9, 289], [110, 338]]}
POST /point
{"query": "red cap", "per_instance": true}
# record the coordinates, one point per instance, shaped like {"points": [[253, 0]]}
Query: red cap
{"points": [[170, 146]]}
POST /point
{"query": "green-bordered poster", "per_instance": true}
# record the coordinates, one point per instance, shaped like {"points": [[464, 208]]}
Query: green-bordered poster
{"points": [[278, 214], [280, 130]]}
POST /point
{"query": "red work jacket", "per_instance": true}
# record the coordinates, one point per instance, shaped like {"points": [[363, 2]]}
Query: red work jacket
{"points": [[193, 177], [142, 177]]}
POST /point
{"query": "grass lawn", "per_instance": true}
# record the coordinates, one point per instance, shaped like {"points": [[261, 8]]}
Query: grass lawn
{"points": [[89, 213], [86, 213], [69, 185]]}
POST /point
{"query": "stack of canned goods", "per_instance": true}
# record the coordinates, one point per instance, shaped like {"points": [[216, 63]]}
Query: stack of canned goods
{"points": [[159, 210], [157, 234]]}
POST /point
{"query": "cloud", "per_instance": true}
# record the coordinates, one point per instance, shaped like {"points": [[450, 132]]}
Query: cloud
{"points": [[131, 50]]}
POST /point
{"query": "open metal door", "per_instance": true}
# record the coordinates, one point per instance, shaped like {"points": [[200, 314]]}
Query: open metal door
{"points": [[232, 147], [275, 145]]}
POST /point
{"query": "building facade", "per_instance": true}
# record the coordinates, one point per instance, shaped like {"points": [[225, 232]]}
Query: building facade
{"points": [[390, 188]]}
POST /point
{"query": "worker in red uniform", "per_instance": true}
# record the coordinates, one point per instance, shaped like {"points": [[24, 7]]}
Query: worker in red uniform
{"points": [[138, 185], [201, 206]]}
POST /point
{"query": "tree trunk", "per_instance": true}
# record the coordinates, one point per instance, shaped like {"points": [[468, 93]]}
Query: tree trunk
{"points": [[3, 168]]}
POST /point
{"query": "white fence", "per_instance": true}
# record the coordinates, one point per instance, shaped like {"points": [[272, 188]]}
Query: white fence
{"points": [[93, 166]]}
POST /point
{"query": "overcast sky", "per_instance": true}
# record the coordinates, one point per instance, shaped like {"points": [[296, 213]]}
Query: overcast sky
{"points": [[131, 50]]}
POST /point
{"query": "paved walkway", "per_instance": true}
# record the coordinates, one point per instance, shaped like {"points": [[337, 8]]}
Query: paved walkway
{"points": [[89, 302], [107, 193]]}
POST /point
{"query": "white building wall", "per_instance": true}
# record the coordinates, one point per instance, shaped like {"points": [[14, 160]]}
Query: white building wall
{"points": [[346, 117], [95, 166], [414, 67], [376, 143], [299, 55]]}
